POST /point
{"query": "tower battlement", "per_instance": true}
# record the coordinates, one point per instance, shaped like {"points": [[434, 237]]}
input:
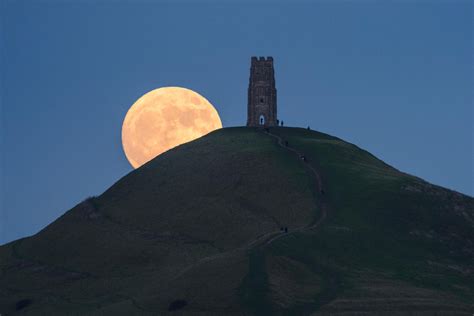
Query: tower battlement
{"points": [[262, 106], [259, 60]]}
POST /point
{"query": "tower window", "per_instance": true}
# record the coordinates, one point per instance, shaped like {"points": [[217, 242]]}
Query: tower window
{"points": [[261, 100]]}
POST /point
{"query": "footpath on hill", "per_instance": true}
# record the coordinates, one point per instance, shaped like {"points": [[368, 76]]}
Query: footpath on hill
{"points": [[320, 192], [270, 237]]}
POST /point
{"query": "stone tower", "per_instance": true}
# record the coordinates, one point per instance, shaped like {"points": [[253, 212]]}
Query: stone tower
{"points": [[262, 97]]}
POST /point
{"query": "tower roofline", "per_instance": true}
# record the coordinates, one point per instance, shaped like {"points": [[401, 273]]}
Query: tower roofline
{"points": [[261, 59]]}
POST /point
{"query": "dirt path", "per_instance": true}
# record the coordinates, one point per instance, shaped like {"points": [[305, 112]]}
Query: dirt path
{"points": [[268, 238], [254, 243], [321, 205]]}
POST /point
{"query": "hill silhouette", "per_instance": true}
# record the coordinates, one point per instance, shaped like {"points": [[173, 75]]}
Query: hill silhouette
{"points": [[248, 222]]}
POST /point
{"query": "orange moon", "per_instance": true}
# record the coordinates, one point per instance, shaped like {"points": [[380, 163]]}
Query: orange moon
{"points": [[165, 118]]}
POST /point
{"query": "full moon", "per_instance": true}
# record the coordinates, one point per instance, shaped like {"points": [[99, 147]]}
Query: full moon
{"points": [[165, 118]]}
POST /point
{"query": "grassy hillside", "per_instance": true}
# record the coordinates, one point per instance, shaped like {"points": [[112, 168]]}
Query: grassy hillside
{"points": [[196, 231], [389, 235]]}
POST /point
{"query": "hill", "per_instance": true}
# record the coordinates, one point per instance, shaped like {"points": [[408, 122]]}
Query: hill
{"points": [[198, 231]]}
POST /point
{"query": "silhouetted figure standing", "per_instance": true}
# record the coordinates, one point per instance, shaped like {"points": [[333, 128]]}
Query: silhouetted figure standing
{"points": [[281, 123], [286, 229], [309, 128]]}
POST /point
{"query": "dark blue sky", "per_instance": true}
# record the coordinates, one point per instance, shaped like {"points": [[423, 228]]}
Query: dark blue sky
{"points": [[394, 78]]}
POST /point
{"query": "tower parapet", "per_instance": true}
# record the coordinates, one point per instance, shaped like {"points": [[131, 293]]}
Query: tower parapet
{"points": [[262, 94]]}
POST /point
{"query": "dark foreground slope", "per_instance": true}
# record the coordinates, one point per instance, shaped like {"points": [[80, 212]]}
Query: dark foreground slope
{"points": [[196, 231]]}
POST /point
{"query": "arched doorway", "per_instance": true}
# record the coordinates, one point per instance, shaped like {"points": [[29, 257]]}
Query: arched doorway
{"points": [[261, 120]]}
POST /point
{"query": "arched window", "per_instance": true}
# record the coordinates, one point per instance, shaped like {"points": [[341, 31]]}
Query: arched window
{"points": [[262, 120]]}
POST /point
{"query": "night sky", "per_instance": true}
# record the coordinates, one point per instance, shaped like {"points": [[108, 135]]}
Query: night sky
{"points": [[395, 79]]}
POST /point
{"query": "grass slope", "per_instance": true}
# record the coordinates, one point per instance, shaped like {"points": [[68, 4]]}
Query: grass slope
{"points": [[190, 226]]}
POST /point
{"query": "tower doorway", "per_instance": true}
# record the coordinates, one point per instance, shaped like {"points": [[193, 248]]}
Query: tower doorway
{"points": [[262, 120]]}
